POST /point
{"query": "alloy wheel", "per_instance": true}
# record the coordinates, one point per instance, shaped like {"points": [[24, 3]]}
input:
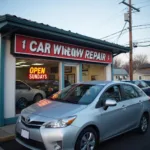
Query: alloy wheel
{"points": [[144, 124], [88, 141]]}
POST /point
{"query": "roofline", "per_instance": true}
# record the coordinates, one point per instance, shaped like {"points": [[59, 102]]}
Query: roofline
{"points": [[20, 22]]}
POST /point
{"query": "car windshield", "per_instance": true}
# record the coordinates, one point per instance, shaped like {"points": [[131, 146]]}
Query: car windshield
{"points": [[78, 94]]}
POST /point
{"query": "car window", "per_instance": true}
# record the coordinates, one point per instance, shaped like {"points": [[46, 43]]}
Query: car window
{"points": [[21, 85], [140, 92], [78, 94], [144, 84], [141, 84], [129, 92], [138, 83], [111, 93]]}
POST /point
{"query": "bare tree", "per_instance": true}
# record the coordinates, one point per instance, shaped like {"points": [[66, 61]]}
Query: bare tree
{"points": [[126, 66], [138, 61], [117, 63]]}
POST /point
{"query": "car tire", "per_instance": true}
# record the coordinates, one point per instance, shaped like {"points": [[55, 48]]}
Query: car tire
{"points": [[144, 123], [88, 138], [37, 98], [22, 103]]}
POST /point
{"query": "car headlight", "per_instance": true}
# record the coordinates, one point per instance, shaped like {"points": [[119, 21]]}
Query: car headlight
{"points": [[61, 123]]}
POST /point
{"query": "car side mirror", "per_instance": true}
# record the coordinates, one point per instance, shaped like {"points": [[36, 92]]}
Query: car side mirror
{"points": [[109, 103]]}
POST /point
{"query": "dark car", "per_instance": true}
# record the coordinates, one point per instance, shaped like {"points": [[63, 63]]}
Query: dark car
{"points": [[147, 81], [141, 84], [49, 86]]}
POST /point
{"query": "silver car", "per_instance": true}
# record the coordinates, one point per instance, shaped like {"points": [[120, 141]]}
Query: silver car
{"points": [[82, 115], [25, 94]]}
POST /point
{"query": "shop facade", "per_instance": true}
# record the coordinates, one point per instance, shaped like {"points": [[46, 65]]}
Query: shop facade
{"points": [[37, 60]]}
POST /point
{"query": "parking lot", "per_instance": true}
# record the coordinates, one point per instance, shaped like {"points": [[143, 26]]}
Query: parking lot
{"points": [[128, 141]]}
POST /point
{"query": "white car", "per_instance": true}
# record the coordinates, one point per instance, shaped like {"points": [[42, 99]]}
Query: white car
{"points": [[26, 94]]}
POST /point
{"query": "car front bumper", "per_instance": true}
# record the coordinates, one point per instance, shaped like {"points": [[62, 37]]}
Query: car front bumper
{"points": [[47, 138]]}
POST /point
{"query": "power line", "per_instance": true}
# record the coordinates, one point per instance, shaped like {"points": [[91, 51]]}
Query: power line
{"points": [[141, 28], [142, 2], [113, 34], [114, 16], [141, 25], [144, 6], [143, 45], [143, 42], [147, 38], [121, 32], [138, 41], [136, 26]]}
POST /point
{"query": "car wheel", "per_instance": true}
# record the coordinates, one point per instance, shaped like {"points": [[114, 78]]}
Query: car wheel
{"points": [[144, 122], [37, 97], [22, 103], [87, 140]]}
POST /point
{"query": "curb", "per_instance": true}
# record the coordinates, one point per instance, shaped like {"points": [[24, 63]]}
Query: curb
{"points": [[7, 138]]}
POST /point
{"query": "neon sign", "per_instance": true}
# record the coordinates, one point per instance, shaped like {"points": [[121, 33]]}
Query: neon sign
{"points": [[37, 73]]}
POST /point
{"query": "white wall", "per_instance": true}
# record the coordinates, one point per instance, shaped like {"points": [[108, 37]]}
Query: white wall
{"points": [[9, 82], [108, 72]]}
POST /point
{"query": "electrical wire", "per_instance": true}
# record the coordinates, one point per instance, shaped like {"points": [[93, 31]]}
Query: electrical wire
{"points": [[141, 28], [121, 32], [142, 2], [144, 42], [136, 26], [141, 25], [143, 45], [112, 34], [147, 38], [143, 6], [138, 41]]}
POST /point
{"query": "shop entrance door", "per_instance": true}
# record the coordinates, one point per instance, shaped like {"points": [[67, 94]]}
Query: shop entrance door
{"points": [[71, 73]]}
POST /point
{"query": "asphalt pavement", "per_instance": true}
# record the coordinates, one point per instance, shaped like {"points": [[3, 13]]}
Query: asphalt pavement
{"points": [[128, 141]]}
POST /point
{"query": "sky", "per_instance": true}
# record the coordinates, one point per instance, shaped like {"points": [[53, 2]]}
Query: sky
{"points": [[94, 18]]}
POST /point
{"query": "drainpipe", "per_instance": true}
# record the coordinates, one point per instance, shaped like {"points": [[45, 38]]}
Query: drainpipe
{"points": [[2, 56]]}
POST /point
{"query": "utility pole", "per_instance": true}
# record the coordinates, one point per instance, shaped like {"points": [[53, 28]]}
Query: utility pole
{"points": [[130, 36], [130, 42]]}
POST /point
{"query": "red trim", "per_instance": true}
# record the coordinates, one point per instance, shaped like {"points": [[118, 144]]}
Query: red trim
{"points": [[47, 48]]}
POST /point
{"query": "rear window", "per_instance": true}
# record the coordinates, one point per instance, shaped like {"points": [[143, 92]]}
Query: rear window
{"points": [[129, 92], [140, 92]]}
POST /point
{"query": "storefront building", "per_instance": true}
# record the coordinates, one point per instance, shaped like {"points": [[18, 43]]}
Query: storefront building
{"points": [[37, 60]]}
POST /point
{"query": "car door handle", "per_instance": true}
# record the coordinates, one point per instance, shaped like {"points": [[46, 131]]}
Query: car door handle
{"points": [[140, 102]]}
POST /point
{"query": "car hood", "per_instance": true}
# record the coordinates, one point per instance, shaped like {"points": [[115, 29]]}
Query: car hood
{"points": [[53, 109]]}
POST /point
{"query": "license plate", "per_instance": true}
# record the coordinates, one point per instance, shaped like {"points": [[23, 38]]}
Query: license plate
{"points": [[25, 134]]}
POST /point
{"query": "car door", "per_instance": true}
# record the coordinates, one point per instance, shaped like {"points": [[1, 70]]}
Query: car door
{"points": [[112, 120], [22, 90], [133, 105]]}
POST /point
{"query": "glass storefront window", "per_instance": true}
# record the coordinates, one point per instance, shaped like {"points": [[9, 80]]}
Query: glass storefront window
{"points": [[36, 79], [93, 72]]}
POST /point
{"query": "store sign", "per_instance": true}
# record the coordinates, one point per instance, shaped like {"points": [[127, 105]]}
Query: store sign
{"points": [[36, 73], [46, 48]]}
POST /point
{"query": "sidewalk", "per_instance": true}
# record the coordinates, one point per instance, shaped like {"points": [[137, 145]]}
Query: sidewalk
{"points": [[7, 133]]}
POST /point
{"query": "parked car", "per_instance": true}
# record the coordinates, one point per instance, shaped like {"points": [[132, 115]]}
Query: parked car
{"points": [[25, 94], [48, 86], [81, 115], [147, 82], [141, 84]]}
